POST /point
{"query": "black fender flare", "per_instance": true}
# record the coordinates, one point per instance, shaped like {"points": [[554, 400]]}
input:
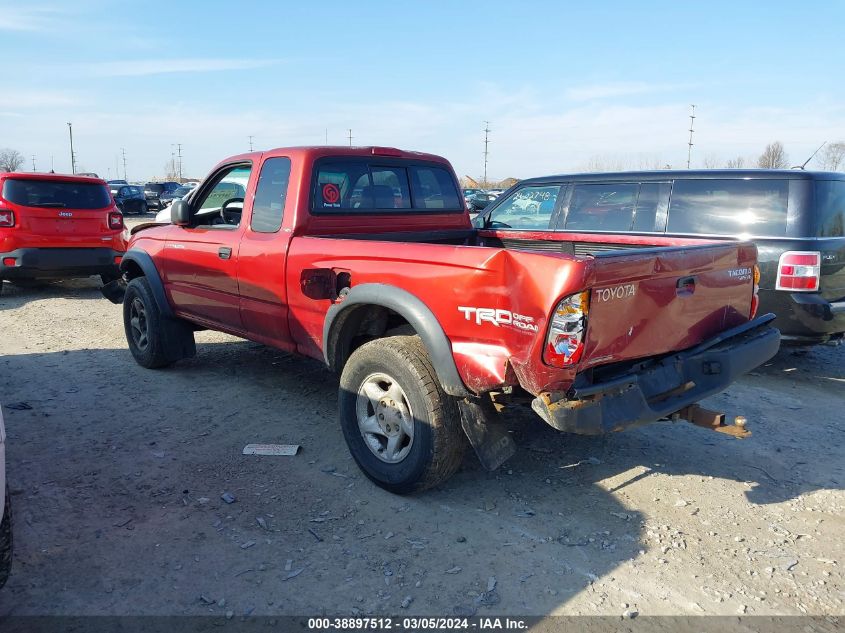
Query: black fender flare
{"points": [[413, 310], [145, 263]]}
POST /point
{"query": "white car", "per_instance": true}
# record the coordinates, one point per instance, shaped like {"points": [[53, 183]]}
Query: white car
{"points": [[5, 512]]}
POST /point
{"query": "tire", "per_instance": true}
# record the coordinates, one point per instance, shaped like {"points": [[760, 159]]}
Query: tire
{"points": [[418, 460], [6, 540], [143, 209], [153, 340]]}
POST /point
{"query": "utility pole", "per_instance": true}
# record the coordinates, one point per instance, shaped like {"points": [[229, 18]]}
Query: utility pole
{"points": [[250, 142], [52, 169], [33, 162], [327, 136], [486, 153], [172, 160], [179, 148], [350, 137], [691, 121], [123, 151], [72, 157]]}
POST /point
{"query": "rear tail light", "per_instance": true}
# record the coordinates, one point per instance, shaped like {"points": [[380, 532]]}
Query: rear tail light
{"points": [[755, 298], [799, 271], [118, 259], [115, 220], [7, 218], [565, 341], [9, 261]]}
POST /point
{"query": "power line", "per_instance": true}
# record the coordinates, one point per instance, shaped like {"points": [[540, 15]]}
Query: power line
{"points": [[691, 121], [486, 152]]}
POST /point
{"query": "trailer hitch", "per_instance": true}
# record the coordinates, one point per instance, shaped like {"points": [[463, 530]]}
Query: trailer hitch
{"points": [[712, 420]]}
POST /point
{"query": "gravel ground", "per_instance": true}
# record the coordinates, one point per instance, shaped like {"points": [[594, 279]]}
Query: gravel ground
{"points": [[117, 474]]}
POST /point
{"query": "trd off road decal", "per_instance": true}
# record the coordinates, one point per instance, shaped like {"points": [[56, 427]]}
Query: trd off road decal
{"points": [[499, 318], [617, 292]]}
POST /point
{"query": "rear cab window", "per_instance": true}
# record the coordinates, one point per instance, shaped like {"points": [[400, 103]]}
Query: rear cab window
{"points": [[346, 186], [56, 194], [734, 207]]}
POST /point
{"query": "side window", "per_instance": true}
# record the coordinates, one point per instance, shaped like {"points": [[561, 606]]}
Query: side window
{"points": [[830, 207], [526, 208], [270, 194], [729, 207], [433, 188], [229, 187], [652, 204], [602, 207]]}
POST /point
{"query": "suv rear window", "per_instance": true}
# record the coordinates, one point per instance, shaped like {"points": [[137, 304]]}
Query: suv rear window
{"points": [[729, 207], [364, 187], [52, 193], [830, 208]]}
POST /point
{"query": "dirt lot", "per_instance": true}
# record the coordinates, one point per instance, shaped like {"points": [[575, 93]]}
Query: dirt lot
{"points": [[117, 474]]}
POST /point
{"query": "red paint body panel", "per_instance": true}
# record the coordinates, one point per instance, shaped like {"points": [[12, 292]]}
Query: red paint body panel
{"points": [[259, 292]]}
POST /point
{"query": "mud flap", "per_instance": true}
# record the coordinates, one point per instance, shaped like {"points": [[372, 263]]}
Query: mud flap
{"points": [[487, 434], [114, 290]]}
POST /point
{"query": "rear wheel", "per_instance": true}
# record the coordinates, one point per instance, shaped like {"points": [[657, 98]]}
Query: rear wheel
{"points": [[403, 431], [154, 340]]}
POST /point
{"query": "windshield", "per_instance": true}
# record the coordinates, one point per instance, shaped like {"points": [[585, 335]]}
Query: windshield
{"points": [[51, 193]]}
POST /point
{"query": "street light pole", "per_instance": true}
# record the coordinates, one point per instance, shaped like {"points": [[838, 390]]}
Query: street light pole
{"points": [[72, 158]]}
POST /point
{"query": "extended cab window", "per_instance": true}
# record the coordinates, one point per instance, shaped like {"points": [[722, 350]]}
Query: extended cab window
{"points": [[602, 207], [729, 207], [367, 187], [830, 207], [223, 203], [526, 208], [270, 194]]}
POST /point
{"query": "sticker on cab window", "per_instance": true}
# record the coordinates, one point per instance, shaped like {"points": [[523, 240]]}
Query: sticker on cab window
{"points": [[331, 195]]}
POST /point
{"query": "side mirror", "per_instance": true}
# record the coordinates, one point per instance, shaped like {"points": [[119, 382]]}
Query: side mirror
{"points": [[180, 213]]}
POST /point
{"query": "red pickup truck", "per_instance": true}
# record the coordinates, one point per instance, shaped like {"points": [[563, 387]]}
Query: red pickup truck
{"points": [[366, 259]]}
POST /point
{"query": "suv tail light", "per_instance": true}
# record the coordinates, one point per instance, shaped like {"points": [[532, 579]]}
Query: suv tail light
{"points": [[565, 341], [7, 218], [799, 271], [115, 220]]}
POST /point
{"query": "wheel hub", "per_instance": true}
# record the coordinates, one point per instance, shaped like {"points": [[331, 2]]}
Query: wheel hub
{"points": [[385, 419]]}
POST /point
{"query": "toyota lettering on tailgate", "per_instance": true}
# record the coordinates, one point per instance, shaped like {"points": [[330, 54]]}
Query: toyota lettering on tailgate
{"points": [[617, 292]]}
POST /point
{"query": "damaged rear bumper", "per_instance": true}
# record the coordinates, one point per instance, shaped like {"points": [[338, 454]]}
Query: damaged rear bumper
{"points": [[657, 389]]}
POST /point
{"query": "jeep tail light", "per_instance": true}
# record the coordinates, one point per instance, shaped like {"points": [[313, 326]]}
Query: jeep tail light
{"points": [[755, 297], [568, 323], [7, 218], [799, 271], [115, 220]]}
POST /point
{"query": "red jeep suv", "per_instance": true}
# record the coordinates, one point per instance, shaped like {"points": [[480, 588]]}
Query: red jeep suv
{"points": [[55, 226]]}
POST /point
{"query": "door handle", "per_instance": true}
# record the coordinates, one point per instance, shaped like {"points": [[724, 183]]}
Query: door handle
{"points": [[224, 252]]}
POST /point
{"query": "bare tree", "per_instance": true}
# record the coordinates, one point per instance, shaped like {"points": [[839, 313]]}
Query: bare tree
{"points": [[10, 160], [711, 161], [832, 157], [624, 162], [773, 157], [735, 163]]}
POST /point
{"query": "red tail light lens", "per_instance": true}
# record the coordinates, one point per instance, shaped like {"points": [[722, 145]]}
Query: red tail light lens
{"points": [[115, 220], [7, 218], [799, 271], [9, 261], [565, 341], [755, 298]]}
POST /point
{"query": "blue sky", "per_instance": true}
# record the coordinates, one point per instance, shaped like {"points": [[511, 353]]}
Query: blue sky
{"points": [[562, 84]]}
